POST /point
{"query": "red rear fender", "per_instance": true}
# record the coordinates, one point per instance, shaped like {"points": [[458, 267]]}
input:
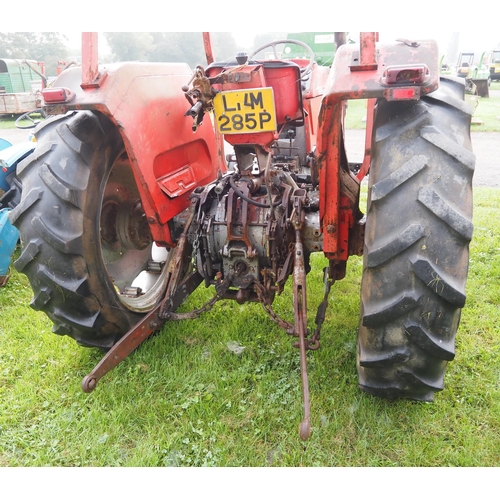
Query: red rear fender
{"points": [[147, 104]]}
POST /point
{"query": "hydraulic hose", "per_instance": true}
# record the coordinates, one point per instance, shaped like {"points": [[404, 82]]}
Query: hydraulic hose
{"points": [[249, 200]]}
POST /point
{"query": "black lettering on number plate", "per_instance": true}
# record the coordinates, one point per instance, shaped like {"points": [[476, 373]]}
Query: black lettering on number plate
{"points": [[265, 117], [226, 108], [251, 100], [224, 122], [245, 112], [250, 121], [238, 122]]}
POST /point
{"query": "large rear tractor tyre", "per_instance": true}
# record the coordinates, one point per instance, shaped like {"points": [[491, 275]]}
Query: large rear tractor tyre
{"points": [[418, 229], [84, 234]]}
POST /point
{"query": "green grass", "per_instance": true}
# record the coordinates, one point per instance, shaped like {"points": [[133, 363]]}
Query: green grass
{"points": [[9, 121], [486, 116], [185, 398], [356, 114]]}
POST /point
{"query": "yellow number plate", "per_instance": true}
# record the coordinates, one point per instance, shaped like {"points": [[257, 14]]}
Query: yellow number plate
{"points": [[245, 111]]}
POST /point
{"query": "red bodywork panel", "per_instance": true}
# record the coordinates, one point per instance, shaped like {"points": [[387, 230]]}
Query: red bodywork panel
{"points": [[359, 72], [146, 102], [283, 77], [311, 98]]}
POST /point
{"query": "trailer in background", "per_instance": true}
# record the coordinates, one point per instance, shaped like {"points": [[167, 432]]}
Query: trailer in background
{"points": [[21, 82]]}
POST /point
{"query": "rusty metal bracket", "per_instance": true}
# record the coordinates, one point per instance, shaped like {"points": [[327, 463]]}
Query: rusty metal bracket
{"points": [[300, 309], [177, 291], [91, 77], [138, 334], [410, 43], [366, 58]]}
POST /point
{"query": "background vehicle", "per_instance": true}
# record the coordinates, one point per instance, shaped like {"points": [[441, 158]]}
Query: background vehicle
{"points": [[21, 82], [476, 72], [133, 159], [10, 186], [10, 195], [495, 65]]}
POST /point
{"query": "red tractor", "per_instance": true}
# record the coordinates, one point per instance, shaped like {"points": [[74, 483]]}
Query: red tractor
{"points": [[130, 200]]}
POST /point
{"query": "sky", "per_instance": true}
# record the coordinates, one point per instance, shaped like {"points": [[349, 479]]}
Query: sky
{"points": [[471, 40], [245, 19], [468, 40], [392, 18]]}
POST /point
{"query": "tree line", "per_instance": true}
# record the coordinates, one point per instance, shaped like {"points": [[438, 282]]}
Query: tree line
{"points": [[178, 47], [48, 47], [168, 47], [51, 47]]}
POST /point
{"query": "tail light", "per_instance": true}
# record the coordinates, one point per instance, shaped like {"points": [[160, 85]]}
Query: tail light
{"points": [[57, 95], [406, 75]]}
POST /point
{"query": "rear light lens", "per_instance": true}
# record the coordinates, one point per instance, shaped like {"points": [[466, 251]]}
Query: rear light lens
{"points": [[57, 95], [406, 75], [403, 93]]}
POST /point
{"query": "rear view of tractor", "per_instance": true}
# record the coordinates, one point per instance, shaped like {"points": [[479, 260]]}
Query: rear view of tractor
{"points": [[151, 179]]}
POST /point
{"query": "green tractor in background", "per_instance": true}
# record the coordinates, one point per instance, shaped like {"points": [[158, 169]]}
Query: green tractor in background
{"points": [[495, 64], [477, 74], [323, 45]]}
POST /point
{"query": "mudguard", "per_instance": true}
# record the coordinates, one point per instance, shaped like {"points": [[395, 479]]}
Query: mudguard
{"points": [[146, 102]]}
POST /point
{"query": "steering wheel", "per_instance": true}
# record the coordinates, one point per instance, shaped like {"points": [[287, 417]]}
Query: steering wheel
{"points": [[303, 71], [26, 116]]}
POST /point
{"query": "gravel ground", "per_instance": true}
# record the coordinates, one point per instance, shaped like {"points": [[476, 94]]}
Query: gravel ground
{"points": [[486, 146], [14, 135]]}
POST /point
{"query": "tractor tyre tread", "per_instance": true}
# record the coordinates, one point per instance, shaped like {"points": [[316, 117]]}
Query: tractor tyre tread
{"points": [[419, 225], [58, 182]]}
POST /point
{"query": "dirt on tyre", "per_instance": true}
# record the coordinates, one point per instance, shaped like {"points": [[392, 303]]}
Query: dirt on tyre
{"points": [[418, 229], [84, 236]]}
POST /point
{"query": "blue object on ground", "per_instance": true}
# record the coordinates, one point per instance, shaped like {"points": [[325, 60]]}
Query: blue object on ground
{"points": [[10, 157], [8, 241], [4, 143]]}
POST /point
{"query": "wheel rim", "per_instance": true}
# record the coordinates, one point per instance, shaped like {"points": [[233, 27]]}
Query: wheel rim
{"points": [[136, 266]]}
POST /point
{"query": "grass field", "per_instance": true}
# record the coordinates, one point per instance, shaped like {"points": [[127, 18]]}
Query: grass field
{"points": [[224, 390], [486, 116], [9, 121]]}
